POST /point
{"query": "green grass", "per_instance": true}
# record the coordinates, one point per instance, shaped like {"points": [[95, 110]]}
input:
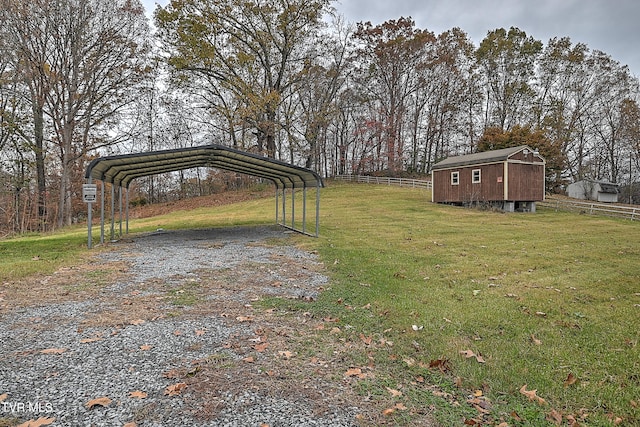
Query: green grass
{"points": [[538, 296], [493, 283]]}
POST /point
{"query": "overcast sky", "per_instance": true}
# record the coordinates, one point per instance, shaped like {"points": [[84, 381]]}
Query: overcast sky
{"points": [[612, 26]]}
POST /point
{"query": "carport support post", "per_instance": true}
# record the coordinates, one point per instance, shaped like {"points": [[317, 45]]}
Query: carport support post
{"points": [[127, 210], [113, 209], [317, 210], [120, 209], [89, 219], [304, 209], [102, 212], [293, 207], [277, 205], [284, 206]]}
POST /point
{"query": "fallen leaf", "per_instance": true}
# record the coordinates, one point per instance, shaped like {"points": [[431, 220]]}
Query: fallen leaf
{"points": [[137, 322], [53, 351], [532, 395], [243, 319], [535, 340], [467, 353], [555, 417], [138, 394], [571, 380], [88, 340], [388, 411], [37, 423], [175, 389], [353, 372], [101, 401], [366, 340], [394, 392], [145, 347], [3, 397], [249, 359], [285, 354], [261, 347], [442, 364], [200, 332], [132, 424], [614, 419], [400, 406]]}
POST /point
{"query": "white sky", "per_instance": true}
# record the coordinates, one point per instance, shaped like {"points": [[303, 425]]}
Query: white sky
{"points": [[612, 26]]}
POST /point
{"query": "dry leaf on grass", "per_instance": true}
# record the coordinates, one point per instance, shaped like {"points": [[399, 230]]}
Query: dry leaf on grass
{"points": [[354, 372], [532, 395], [100, 401], [175, 389], [3, 397], [37, 423], [468, 354], [394, 393], [571, 380], [137, 322], [535, 340]]}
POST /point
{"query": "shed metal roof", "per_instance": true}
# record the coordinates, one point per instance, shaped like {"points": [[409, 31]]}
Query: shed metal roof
{"points": [[120, 170], [492, 156]]}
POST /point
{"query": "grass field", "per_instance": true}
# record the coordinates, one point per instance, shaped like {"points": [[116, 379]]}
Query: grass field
{"points": [[521, 319]]}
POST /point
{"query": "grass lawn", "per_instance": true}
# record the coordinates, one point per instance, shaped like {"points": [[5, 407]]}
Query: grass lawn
{"points": [[523, 319], [548, 300]]}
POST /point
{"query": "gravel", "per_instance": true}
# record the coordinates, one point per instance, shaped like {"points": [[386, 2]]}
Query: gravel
{"points": [[52, 365]]}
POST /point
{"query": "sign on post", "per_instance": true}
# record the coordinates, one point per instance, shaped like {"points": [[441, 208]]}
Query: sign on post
{"points": [[89, 193]]}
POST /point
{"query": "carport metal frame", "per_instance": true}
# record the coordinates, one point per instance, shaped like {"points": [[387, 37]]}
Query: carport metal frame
{"points": [[121, 170]]}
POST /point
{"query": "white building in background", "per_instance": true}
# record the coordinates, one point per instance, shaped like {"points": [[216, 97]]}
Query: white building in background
{"points": [[599, 191]]}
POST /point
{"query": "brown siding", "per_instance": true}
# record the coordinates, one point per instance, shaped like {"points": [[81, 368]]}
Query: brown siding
{"points": [[490, 188], [526, 182]]}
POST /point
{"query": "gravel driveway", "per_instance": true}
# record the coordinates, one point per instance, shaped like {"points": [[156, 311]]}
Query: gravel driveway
{"points": [[164, 330]]}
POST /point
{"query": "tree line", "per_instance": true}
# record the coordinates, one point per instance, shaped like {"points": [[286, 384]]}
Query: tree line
{"points": [[288, 79]]}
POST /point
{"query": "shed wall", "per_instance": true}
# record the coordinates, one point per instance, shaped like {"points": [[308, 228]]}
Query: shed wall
{"points": [[526, 182], [490, 187]]}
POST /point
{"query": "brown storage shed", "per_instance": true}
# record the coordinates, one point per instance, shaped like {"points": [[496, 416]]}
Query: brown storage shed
{"points": [[510, 178]]}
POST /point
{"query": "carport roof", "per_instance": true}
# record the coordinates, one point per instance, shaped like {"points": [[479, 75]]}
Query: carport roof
{"points": [[120, 170]]}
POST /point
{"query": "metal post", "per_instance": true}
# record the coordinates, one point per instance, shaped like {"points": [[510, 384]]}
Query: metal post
{"points": [[317, 210], [102, 212], [284, 205], [120, 209], [293, 208], [89, 220], [304, 209], [127, 210], [113, 211], [277, 205]]}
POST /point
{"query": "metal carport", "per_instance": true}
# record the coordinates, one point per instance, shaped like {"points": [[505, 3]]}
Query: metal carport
{"points": [[120, 170]]}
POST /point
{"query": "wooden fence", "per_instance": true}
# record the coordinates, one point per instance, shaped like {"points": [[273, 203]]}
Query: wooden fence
{"points": [[400, 182], [592, 208]]}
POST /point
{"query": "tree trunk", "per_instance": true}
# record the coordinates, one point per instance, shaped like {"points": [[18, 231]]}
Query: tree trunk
{"points": [[38, 125]]}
